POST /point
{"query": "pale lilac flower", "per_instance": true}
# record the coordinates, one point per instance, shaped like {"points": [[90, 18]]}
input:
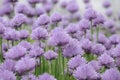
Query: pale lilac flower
{"points": [[106, 4], [43, 20], [46, 76], [72, 7], [15, 52], [25, 44], [98, 49], [25, 64], [36, 52], [50, 55], [24, 34], [84, 25], [18, 20], [75, 62], [58, 37], [111, 74], [72, 49], [8, 64], [39, 33], [56, 17], [7, 75], [90, 14], [86, 72], [106, 60]]}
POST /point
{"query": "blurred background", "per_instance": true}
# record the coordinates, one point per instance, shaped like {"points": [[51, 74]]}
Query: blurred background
{"points": [[97, 4]]}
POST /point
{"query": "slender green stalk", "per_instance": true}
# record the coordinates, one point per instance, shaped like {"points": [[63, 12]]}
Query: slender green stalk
{"points": [[91, 30], [97, 35], [12, 43], [50, 68]]}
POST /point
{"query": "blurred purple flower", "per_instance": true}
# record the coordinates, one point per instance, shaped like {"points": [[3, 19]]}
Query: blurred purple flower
{"points": [[7, 75], [46, 76], [111, 74], [39, 33], [50, 55], [86, 72], [25, 64], [75, 62], [15, 52], [90, 14]]}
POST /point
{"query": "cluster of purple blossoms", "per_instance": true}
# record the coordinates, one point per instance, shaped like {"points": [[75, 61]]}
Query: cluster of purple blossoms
{"points": [[49, 40]]}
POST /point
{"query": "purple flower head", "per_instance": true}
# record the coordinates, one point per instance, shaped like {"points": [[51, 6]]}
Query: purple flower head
{"points": [[8, 64], [29, 77], [71, 28], [33, 1], [39, 11], [108, 44], [15, 52], [25, 44], [102, 39], [109, 24], [55, 1], [99, 20], [25, 64], [86, 72], [9, 1], [106, 60], [106, 4], [39, 44], [30, 12], [72, 7], [48, 7], [114, 52], [114, 39], [11, 34], [75, 62], [56, 17], [113, 30], [86, 1], [90, 14], [18, 20], [7, 75], [46, 76], [95, 64], [111, 74], [109, 12], [117, 61], [88, 6], [98, 49], [36, 52], [6, 22], [63, 4], [24, 34], [86, 45], [2, 28], [7, 8], [72, 49], [50, 55], [21, 8], [39, 33], [58, 37], [84, 25], [43, 20]]}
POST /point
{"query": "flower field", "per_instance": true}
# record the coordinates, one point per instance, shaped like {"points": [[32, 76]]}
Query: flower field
{"points": [[56, 40]]}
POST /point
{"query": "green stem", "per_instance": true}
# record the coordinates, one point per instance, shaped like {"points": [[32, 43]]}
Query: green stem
{"points": [[97, 36], [91, 29], [50, 68]]}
